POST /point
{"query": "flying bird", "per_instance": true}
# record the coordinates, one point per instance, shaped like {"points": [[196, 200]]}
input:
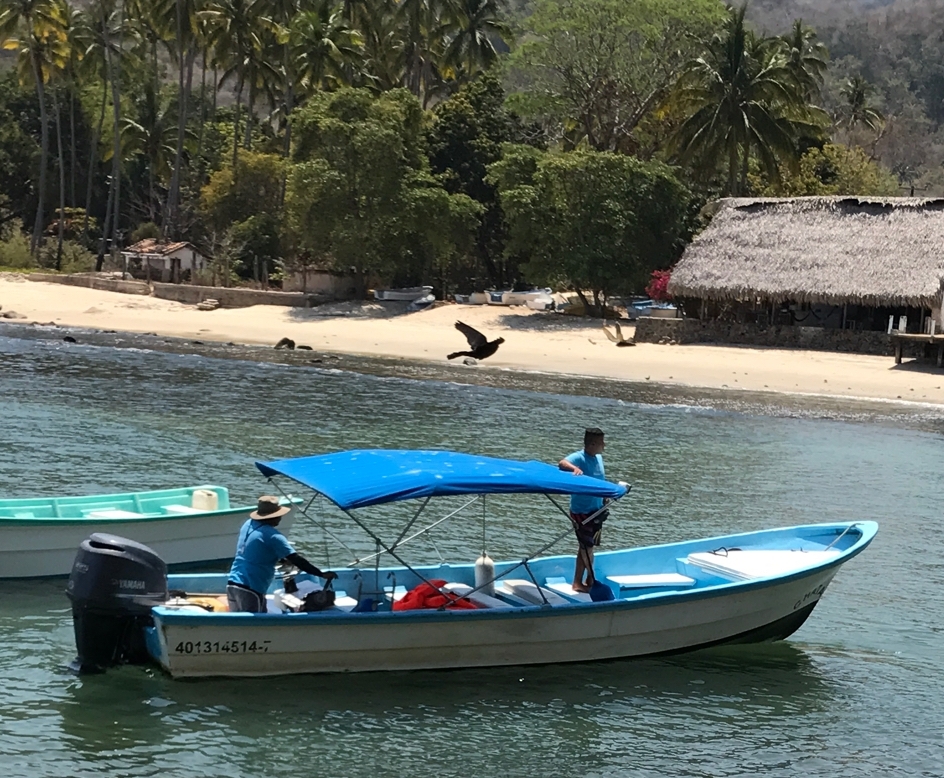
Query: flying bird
{"points": [[480, 347]]}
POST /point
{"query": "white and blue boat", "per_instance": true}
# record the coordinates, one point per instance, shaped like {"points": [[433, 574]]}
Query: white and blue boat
{"points": [[187, 525], [741, 588]]}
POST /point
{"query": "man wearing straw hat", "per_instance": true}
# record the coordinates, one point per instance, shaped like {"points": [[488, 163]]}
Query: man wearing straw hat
{"points": [[259, 549]]}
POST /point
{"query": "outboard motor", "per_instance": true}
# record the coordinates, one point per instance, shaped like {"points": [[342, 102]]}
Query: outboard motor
{"points": [[113, 586]]}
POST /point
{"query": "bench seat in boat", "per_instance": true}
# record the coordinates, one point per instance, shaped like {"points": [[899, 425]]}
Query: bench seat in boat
{"points": [[745, 564], [113, 513], [652, 581], [561, 586], [181, 509], [523, 589], [478, 598]]}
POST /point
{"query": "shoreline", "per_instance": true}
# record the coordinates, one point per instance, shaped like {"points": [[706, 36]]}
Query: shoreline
{"points": [[537, 344], [787, 405]]}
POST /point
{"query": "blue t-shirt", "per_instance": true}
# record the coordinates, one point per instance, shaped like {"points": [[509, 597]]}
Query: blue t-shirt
{"points": [[593, 467], [258, 550]]}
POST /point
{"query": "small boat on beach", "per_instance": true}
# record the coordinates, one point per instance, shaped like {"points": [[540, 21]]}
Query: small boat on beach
{"points": [[510, 297], [740, 588], [406, 294], [38, 536]]}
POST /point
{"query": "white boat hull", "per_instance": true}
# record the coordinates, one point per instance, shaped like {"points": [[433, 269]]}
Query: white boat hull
{"points": [[48, 547], [193, 645], [402, 295]]}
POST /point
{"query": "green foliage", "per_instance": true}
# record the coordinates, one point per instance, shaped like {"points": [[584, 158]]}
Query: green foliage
{"points": [[591, 221], [832, 170], [744, 97], [256, 244], [360, 193], [145, 230], [253, 188], [15, 247], [19, 146], [465, 136], [73, 224], [75, 257], [597, 68]]}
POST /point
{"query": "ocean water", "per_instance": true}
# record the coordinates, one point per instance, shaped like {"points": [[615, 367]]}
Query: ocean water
{"points": [[855, 692]]}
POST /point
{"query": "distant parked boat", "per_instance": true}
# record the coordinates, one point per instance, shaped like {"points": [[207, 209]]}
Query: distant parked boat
{"points": [[661, 310], [407, 294], [508, 297], [422, 302], [38, 536]]}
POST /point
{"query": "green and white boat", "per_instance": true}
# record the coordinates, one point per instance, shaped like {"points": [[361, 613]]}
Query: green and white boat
{"points": [[38, 536]]}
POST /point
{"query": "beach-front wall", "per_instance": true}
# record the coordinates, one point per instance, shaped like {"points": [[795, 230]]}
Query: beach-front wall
{"points": [[227, 297], [236, 297], [654, 330], [91, 281]]}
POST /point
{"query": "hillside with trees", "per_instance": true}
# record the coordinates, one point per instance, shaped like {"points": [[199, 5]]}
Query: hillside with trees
{"points": [[461, 143]]}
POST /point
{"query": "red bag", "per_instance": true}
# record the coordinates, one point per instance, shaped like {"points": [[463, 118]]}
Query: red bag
{"points": [[427, 596]]}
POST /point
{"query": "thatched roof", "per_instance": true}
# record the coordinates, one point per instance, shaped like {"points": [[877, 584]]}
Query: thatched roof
{"points": [[835, 250]]}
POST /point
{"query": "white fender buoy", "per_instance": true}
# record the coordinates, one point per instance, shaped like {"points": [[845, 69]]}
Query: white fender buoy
{"points": [[485, 574]]}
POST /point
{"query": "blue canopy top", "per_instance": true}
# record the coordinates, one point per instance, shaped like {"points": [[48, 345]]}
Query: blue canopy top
{"points": [[356, 479]]}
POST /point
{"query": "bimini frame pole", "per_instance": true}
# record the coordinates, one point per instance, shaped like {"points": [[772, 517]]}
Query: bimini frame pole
{"points": [[304, 512], [554, 542], [421, 532]]}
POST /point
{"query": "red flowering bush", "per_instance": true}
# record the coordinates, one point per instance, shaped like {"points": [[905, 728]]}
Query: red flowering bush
{"points": [[657, 288]]}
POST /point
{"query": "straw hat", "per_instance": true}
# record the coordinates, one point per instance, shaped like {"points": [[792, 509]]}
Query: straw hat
{"points": [[269, 508]]}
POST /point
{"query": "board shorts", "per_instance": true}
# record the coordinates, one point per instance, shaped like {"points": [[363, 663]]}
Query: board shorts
{"points": [[588, 534]]}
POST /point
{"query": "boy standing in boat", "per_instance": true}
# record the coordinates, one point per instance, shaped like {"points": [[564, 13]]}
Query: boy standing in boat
{"points": [[259, 549], [589, 462]]}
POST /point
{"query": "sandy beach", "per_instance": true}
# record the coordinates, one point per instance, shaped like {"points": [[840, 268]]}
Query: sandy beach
{"points": [[533, 342]]}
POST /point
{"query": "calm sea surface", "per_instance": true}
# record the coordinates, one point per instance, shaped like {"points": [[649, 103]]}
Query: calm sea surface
{"points": [[857, 691]]}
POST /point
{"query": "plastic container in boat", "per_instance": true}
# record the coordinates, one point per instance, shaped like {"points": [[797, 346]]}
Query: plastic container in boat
{"points": [[205, 500]]}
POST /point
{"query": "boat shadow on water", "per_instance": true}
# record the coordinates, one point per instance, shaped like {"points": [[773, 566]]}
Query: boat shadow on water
{"points": [[779, 679]]}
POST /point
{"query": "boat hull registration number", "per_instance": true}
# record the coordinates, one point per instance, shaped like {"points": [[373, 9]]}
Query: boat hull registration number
{"points": [[222, 647]]}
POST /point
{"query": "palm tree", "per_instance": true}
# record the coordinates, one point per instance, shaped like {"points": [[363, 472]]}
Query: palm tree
{"points": [[102, 33], [858, 108], [115, 32], [153, 135], [382, 42], [478, 24], [33, 27], [739, 97], [233, 34], [425, 25], [77, 40], [807, 58], [322, 45], [263, 72], [320, 49], [186, 16]]}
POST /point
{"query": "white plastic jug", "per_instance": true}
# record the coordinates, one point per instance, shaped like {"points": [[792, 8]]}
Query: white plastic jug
{"points": [[205, 500]]}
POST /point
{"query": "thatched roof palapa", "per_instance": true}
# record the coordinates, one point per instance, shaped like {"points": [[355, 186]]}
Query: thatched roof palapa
{"points": [[833, 250]]}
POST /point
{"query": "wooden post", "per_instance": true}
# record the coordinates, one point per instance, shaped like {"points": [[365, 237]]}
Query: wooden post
{"points": [[897, 351]]}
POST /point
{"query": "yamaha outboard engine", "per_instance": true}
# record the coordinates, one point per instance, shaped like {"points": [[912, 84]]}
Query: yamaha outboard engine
{"points": [[113, 586]]}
